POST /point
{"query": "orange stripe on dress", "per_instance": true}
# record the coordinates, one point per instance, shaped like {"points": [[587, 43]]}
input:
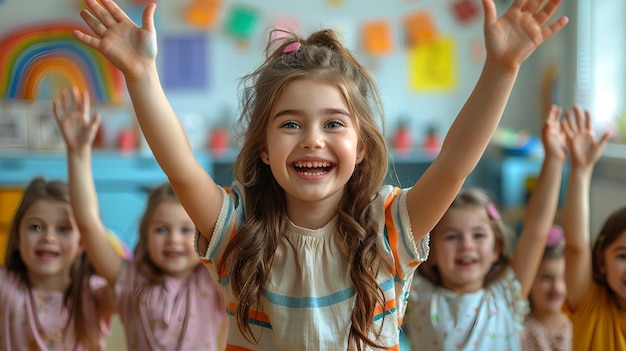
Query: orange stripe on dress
{"points": [[389, 305], [392, 236], [252, 314]]}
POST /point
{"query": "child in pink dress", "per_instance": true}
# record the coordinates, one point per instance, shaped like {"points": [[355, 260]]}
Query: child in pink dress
{"points": [[547, 327], [166, 299], [49, 298]]}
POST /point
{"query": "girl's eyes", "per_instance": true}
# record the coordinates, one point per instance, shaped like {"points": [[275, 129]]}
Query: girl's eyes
{"points": [[295, 125], [64, 229], [334, 124], [160, 230], [479, 235], [35, 227], [451, 237], [290, 125], [188, 230]]}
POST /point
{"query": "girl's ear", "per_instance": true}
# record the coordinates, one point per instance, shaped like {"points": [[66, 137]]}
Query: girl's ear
{"points": [[265, 157], [359, 155]]}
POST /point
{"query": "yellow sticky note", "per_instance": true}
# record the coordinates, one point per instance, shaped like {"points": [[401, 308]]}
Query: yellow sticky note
{"points": [[432, 65], [377, 38]]}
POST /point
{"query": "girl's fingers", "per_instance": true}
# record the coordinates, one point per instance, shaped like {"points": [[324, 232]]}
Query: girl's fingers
{"points": [[93, 23], [491, 15], [115, 13], [532, 6], [588, 123], [547, 11], [147, 17], [580, 117]]}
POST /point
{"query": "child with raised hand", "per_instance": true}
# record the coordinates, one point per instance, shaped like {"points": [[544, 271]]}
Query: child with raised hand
{"points": [[546, 327], [471, 293], [313, 251], [165, 298], [596, 296], [49, 298]]}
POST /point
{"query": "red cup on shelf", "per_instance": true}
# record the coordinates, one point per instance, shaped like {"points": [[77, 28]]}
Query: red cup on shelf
{"points": [[126, 141]]}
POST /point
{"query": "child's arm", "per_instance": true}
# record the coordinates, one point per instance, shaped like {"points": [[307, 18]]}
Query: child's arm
{"points": [[585, 150], [541, 207], [71, 112], [133, 50], [509, 40]]}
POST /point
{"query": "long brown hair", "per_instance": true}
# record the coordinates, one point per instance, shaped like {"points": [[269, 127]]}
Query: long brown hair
{"points": [[39, 189], [248, 257], [475, 197]]}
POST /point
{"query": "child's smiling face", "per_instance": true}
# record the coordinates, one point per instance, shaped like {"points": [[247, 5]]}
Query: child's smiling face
{"points": [[49, 242], [464, 248], [614, 267], [312, 144], [548, 291]]}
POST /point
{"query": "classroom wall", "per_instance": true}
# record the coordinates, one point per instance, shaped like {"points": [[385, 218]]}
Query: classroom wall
{"points": [[227, 60]]}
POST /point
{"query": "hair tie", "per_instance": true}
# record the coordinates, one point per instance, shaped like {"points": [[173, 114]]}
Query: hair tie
{"points": [[554, 236], [492, 212], [600, 240], [291, 48]]}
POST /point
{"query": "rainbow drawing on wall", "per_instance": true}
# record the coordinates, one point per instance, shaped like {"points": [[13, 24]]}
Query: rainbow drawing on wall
{"points": [[37, 62]]}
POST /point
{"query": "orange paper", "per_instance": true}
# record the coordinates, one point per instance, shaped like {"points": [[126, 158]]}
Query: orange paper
{"points": [[419, 27], [203, 13], [377, 38]]}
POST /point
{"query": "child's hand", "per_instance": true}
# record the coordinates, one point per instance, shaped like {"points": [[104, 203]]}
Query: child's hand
{"points": [[585, 148], [130, 48], [553, 136], [511, 38], [71, 111]]}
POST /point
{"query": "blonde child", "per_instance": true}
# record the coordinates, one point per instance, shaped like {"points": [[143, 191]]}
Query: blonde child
{"points": [[546, 327], [49, 298], [471, 294], [166, 299], [596, 297], [313, 251]]}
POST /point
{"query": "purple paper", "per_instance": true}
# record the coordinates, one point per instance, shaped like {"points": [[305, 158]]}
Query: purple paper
{"points": [[185, 61]]}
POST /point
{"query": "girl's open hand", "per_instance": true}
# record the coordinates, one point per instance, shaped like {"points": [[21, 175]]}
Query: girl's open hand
{"points": [[130, 48], [553, 135], [71, 111], [585, 148], [511, 38]]}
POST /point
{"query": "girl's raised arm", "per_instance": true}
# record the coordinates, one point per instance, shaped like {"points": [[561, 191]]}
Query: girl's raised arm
{"points": [[509, 40], [542, 205], [133, 50], [71, 112], [585, 150]]}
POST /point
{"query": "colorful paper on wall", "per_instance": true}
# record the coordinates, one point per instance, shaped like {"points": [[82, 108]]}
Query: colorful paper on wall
{"points": [[465, 10], [203, 13], [377, 38], [241, 21], [37, 62], [419, 27], [185, 62], [432, 66]]}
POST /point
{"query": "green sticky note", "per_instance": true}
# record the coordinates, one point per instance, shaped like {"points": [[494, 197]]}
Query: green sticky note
{"points": [[241, 21]]}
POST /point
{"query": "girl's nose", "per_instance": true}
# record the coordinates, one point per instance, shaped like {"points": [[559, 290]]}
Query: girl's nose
{"points": [[312, 139]]}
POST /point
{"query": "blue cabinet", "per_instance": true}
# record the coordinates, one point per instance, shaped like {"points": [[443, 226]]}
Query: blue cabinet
{"points": [[122, 182]]}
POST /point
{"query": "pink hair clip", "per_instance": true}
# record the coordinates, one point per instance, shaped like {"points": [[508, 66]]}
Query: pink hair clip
{"points": [[291, 48], [554, 236], [492, 212]]}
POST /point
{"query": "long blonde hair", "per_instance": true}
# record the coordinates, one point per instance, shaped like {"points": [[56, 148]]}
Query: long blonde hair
{"points": [[248, 257]]}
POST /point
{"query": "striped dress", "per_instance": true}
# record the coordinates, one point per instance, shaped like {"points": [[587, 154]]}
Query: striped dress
{"points": [[308, 300]]}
